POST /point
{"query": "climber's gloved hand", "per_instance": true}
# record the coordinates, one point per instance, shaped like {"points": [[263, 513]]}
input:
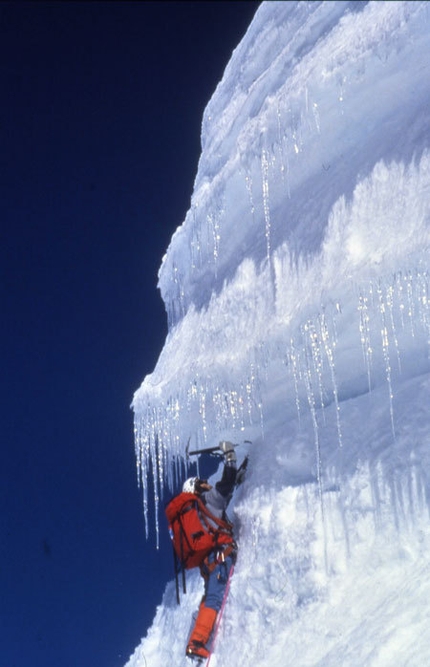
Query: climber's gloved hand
{"points": [[227, 449]]}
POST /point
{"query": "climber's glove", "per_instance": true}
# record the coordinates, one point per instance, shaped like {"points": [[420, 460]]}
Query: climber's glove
{"points": [[227, 449]]}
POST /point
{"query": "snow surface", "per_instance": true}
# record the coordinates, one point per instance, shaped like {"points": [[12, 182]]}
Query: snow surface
{"points": [[297, 294]]}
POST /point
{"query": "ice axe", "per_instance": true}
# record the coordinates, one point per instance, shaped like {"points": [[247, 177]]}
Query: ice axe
{"points": [[206, 450], [209, 450]]}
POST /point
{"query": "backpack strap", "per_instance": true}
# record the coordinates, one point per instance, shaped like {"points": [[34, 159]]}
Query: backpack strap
{"points": [[223, 526], [178, 569]]}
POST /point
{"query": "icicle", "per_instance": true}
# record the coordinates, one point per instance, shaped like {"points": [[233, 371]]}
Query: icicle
{"points": [[284, 169], [341, 95], [138, 454], [312, 407], [364, 327], [154, 446], [423, 303], [400, 295], [217, 403], [267, 222], [251, 390], [261, 411], [390, 306], [315, 345], [386, 354], [142, 448], [266, 207], [248, 184], [409, 291], [202, 410], [294, 365], [316, 115], [155, 479], [329, 350], [285, 160], [214, 226]]}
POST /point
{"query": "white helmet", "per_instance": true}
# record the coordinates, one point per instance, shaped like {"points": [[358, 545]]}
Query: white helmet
{"points": [[189, 485]]}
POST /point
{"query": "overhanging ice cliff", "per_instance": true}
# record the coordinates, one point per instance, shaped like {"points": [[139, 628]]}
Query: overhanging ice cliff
{"points": [[297, 293]]}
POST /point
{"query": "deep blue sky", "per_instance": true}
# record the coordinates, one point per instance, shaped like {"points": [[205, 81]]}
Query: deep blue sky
{"points": [[100, 113]]}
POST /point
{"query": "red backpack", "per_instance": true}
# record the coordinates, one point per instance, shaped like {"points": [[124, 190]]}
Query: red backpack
{"points": [[194, 530]]}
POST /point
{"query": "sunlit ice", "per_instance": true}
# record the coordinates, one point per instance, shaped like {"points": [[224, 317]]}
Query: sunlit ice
{"points": [[296, 292]]}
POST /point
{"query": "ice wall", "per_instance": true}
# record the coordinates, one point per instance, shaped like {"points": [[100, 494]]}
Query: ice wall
{"points": [[299, 278], [314, 96]]}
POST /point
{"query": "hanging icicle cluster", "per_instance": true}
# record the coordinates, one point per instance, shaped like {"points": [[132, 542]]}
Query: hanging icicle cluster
{"points": [[389, 316]]}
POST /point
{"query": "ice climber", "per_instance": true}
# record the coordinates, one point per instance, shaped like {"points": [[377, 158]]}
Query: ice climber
{"points": [[216, 564], [215, 568]]}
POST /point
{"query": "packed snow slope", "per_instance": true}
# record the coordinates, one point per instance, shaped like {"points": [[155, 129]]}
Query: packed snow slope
{"points": [[297, 295]]}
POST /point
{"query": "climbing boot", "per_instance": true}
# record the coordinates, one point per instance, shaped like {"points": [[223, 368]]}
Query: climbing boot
{"points": [[197, 644]]}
